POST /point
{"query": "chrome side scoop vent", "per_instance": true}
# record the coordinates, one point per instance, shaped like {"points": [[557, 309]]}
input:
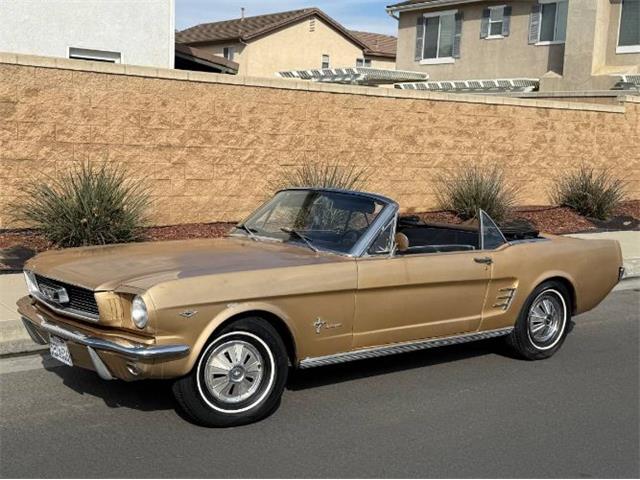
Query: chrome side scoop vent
{"points": [[505, 297]]}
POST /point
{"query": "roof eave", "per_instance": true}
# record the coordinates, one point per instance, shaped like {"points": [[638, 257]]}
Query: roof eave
{"points": [[193, 55], [427, 5], [369, 53], [213, 42], [218, 66]]}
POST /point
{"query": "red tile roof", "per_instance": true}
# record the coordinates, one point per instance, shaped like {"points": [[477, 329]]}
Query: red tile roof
{"points": [[240, 28], [377, 43]]}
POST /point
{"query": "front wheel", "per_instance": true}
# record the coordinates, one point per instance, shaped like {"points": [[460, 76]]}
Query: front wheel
{"points": [[542, 324], [239, 377]]}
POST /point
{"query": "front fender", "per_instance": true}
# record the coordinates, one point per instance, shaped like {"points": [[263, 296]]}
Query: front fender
{"points": [[234, 310]]}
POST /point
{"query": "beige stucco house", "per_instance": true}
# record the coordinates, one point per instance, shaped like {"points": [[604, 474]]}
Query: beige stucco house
{"points": [[553, 45], [301, 39]]}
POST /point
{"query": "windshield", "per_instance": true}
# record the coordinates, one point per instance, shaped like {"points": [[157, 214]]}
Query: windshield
{"points": [[319, 219]]}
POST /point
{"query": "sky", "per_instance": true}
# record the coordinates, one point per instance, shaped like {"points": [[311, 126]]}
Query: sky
{"points": [[364, 15]]}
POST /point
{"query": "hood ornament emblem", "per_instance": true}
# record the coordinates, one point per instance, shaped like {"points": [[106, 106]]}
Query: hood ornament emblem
{"points": [[57, 295]]}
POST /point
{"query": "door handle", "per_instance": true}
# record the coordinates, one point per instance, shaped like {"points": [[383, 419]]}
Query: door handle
{"points": [[485, 260]]}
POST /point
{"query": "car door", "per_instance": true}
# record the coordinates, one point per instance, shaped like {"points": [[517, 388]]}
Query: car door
{"points": [[409, 297]]}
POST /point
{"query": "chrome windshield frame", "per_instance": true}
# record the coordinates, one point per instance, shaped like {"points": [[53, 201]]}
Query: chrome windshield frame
{"points": [[359, 249]]}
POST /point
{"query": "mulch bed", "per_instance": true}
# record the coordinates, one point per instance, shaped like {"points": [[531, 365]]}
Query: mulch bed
{"points": [[16, 246], [186, 231], [559, 220]]}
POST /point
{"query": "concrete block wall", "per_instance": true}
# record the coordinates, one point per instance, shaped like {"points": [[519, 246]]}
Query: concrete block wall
{"points": [[212, 144]]}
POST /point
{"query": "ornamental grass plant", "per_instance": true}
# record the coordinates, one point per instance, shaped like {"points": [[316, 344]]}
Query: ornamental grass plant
{"points": [[87, 205]]}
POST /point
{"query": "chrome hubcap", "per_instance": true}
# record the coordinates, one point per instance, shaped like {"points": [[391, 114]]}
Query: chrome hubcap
{"points": [[234, 371], [546, 316]]}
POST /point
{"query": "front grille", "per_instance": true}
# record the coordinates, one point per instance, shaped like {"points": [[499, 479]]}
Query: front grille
{"points": [[80, 299]]}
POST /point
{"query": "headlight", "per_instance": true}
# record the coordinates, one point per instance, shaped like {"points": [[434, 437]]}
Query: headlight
{"points": [[32, 285], [139, 313]]}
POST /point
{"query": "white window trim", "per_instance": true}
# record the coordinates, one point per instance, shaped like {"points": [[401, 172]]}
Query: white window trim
{"points": [[94, 57], [440, 13], [555, 25], [550, 42], [628, 49], [437, 60], [499, 36], [624, 48]]}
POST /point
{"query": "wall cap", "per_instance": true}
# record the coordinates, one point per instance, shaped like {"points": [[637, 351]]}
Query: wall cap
{"points": [[279, 83]]}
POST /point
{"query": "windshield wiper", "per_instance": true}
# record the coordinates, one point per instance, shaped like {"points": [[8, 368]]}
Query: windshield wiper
{"points": [[300, 236], [250, 231]]}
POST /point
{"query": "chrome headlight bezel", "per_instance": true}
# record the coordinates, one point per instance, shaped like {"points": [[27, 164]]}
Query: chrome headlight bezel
{"points": [[139, 312], [32, 284]]}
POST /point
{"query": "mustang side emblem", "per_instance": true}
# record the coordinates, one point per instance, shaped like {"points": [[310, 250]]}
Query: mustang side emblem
{"points": [[188, 313], [58, 295], [321, 324]]}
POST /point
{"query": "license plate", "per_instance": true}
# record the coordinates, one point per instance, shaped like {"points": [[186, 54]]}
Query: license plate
{"points": [[59, 350]]}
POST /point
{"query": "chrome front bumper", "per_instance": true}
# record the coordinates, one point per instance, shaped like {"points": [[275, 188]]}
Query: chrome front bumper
{"points": [[94, 344]]}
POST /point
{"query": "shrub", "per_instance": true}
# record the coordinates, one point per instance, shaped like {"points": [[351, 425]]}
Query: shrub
{"points": [[323, 175], [88, 205], [591, 193], [465, 191]]}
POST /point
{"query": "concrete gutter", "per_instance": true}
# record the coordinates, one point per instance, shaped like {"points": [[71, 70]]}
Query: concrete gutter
{"points": [[14, 339]]}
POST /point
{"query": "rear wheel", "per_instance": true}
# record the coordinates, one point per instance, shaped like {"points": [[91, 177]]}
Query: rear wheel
{"points": [[542, 324], [239, 377]]}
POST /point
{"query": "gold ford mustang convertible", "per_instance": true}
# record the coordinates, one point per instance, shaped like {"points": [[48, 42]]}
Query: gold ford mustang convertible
{"points": [[314, 277]]}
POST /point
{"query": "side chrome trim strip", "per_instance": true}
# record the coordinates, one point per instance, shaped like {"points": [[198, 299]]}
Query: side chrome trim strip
{"points": [[133, 352], [394, 348]]}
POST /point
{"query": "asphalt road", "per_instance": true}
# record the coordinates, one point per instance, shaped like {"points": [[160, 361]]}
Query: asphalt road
{"points": [[463, 411]]}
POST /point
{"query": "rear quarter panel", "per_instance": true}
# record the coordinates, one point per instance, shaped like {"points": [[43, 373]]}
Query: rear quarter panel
{"points": [[590, 266]]}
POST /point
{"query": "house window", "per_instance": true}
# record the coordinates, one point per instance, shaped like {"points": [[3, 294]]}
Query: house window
{"points": [[325, 61], [629, 36], [94, 55], [438, 37], [553, 22], [227, 52], [363, 62], [496, 20]]}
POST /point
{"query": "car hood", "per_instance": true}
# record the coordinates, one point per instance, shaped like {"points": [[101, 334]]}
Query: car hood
{"points": [[141, 265]]}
